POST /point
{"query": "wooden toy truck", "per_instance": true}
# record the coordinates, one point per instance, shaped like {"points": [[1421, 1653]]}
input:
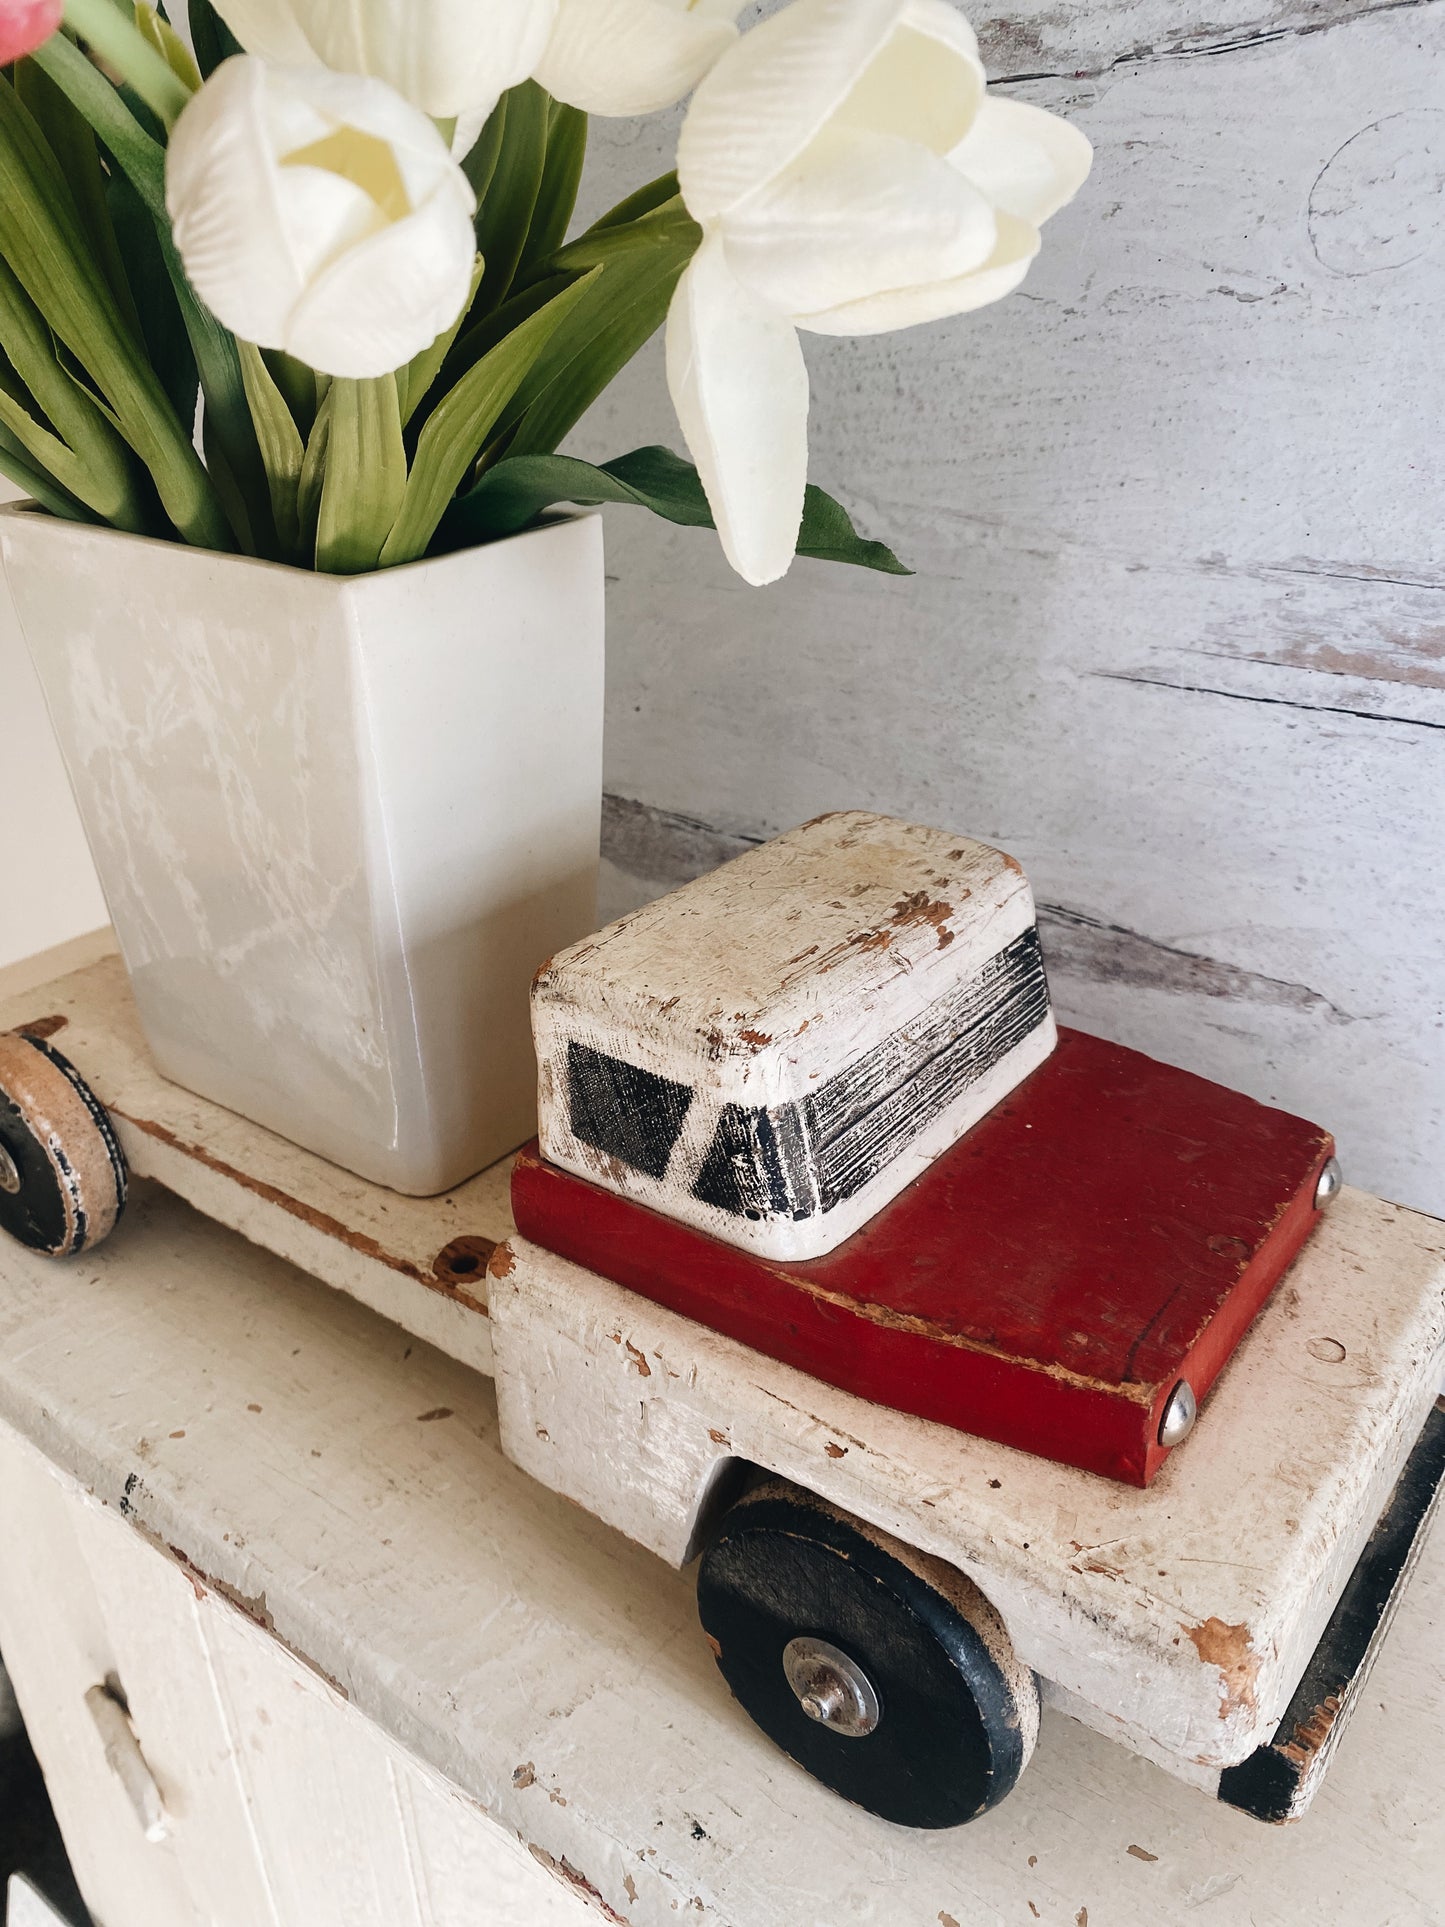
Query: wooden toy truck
{"points": [[840, 1269]]}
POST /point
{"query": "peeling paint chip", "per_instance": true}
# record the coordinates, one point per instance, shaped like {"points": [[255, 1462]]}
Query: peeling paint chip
{"points": [[1227, 1647], [1141, 1853]]}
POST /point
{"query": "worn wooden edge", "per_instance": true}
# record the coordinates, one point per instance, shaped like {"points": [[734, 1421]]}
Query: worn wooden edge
{"points": [[61, 960], [1280, 1779], [421, 1263]]}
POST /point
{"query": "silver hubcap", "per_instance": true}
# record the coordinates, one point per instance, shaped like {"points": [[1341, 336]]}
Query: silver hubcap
{"points": [[1179, 1414], [831, 1688], [1331, 1178], [9, 1173]]}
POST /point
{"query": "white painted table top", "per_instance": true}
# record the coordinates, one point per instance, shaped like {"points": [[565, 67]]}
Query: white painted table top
{"points": [[345, 1483]]}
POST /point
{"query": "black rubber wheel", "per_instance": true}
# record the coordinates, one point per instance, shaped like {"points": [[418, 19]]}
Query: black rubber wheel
{"points": [[62, 1171], [921, 1711]]}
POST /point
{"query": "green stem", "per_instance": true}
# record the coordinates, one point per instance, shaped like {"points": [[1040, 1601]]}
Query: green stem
{"points": [[122, 45]]}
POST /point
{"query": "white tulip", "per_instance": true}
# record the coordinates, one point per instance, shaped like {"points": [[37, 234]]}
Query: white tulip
{"points": [[448, 57], [320, 213], [849, 176], [634, 56]]}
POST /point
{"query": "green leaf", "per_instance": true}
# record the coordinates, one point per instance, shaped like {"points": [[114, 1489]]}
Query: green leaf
{"points": [[15, 461], [421, 371], [641, 201], [557, 191], [828, 535], [282, 449], [481, 163], [504, 215], [484, 333], [365, 481], [169, 45], [232, 454], [460, 423], [313, 475], [101, 105], [210, 36], [640, 265], [111, 32], [519, 488], [72, 440], [162, 324], [298, 384], [70, 139], [42, 239]]}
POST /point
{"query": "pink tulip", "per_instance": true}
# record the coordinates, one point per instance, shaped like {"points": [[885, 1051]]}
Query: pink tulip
{"points": [[25, 24]]}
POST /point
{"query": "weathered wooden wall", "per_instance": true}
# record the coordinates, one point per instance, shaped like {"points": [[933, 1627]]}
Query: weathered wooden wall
{"points": [[1177, 635]]}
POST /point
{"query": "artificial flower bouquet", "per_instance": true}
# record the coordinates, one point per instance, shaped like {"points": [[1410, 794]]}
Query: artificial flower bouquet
{"points": [[301, 284]]}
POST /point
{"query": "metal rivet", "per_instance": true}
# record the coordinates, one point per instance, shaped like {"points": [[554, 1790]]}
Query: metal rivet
{"points": [[1330, 1180], [831, 1688], [1179, 1414], [9, 1173]]}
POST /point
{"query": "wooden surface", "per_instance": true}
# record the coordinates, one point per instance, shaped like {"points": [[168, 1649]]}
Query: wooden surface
{"points": [[276, 1804], [1110, 1228], [555, 1673], [420, 1261], [1183, 1614], [1174, 639]]}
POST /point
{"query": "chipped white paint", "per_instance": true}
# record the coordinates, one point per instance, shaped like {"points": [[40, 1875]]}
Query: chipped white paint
{"points": [[281, 1805], [549, 1670], [753, 990], [338, 820], [1175, 636], [1184, 1614]]}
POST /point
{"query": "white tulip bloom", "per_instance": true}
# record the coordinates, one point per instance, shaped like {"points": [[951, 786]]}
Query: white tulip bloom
{"points": [[849, 176], [320, 213], [448, 57], [634, 56]]}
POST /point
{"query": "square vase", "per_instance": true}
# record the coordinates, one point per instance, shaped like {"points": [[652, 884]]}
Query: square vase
{"points": [[339, 821]]}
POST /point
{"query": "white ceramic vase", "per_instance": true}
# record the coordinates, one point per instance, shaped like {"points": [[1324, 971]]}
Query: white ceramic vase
{"points": [[339, 822]]}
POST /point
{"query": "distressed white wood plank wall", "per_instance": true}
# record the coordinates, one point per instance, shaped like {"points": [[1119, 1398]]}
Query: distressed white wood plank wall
{"points": [[1177, 635]]}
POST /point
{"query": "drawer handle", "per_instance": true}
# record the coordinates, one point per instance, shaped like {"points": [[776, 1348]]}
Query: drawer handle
{"points": [[125, 1759]]}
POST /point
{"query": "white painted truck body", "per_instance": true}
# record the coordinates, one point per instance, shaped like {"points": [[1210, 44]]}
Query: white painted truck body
{"points": [[1176, 1619]]}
